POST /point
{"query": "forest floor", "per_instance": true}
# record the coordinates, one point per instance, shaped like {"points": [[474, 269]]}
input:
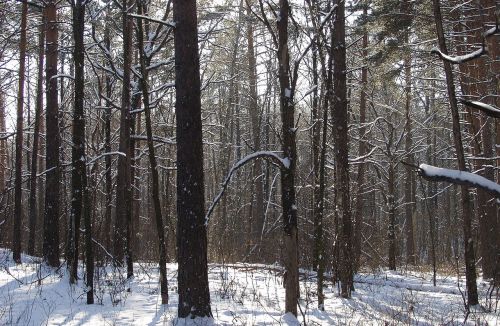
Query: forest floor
{"points": [[241, 294]]}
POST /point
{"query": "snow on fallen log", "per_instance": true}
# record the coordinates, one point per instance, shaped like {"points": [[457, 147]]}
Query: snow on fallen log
{"points": [[433, 173], [486, 108], [460, 58]]}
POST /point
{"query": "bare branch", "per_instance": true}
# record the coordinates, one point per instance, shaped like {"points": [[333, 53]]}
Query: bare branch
{"points": [[283, 163]]}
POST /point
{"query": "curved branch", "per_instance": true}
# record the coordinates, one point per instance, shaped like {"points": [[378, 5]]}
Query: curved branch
{"points": [[284, 163], [460, 58]]}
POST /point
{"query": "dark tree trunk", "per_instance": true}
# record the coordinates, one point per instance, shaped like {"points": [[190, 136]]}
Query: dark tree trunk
{"points": [[107, 145], [194, 295], [18, 208], [319, 202], [470, 264], [51, 222], [409, 188], [289, 149], [33, 209], [319, 138], [362, 150], [3, 142], [391, 233], [80, 203], [144, 62], [340, 121], [77, 148], [122, 246]]}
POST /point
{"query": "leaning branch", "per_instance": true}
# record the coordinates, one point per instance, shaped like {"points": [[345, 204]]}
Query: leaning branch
{"points": [[489, 110], [284, 163], [433, 173]]}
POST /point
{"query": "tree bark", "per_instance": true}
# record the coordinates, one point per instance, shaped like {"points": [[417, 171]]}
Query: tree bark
{"points": [[409, 187], [122, 245], [289, 148], [362, 150], [194, 295], [33, 209], [107, 144], [340, 122], [51, 222], [391, 233], [3, 142], [80, 202], [18, 209]]}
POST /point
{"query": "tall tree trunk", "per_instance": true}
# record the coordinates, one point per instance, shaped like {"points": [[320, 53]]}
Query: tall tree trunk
{"points": [[474, 80], [33, 209], [80, 201], [144, 61], [18, 208], [122, 246], [289, 148], [3, 142], [194, 295], [51, 222], [255, 117], [107, 144], [362, 150], [493, 44], [319, 202], [467, 211], [409, 187], [340, 120], [78, 173], [391, 234], [319, 138]]}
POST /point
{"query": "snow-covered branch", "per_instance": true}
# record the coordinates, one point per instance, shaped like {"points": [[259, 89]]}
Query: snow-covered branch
{"points": [[460, 58], [157, 139], [159, 21], [4, 135], [62, 76], [433, 173], [105, 154], [486, 108], [284, 163], [492, 31]]}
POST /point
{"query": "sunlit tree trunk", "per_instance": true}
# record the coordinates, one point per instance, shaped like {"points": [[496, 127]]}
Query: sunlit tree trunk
{"points": [[33, 209]]}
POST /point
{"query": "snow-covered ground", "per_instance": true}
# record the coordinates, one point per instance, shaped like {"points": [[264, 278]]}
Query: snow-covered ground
{"points": [[241, 295]]}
